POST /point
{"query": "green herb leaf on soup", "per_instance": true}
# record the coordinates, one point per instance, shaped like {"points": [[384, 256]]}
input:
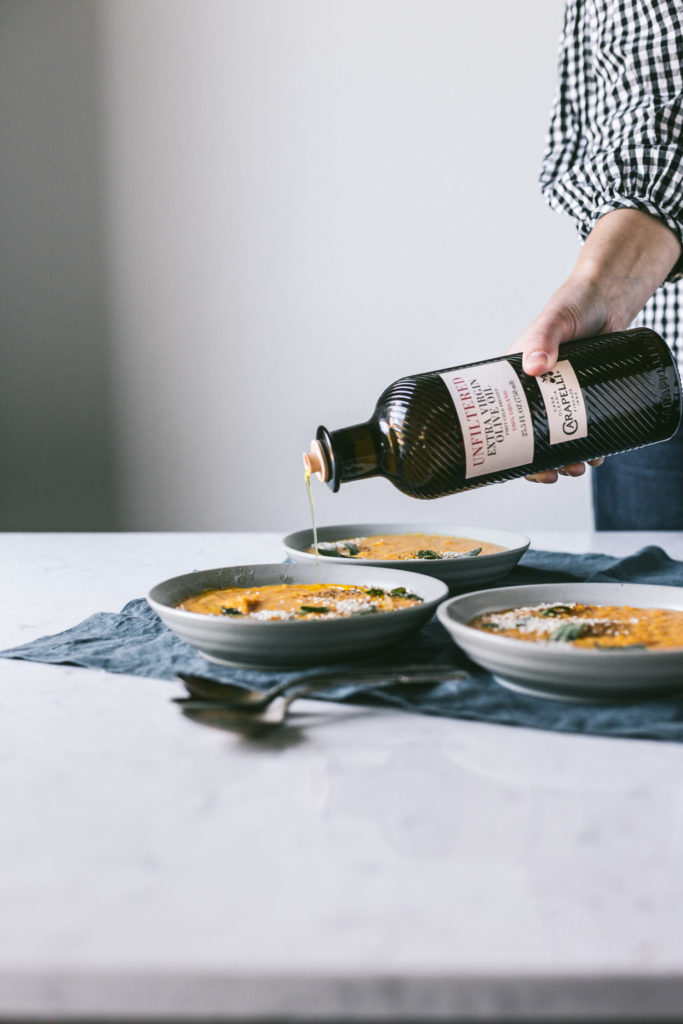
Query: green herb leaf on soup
{"points": [[230, 611], [428, 553], [402, 592], [556, 609], [318, 609], [375, 592], [567, 632]]}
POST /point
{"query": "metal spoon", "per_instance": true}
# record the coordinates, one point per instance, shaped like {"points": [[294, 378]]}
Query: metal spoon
{"points": [[240, 697], [228, 693], [270, 707]]}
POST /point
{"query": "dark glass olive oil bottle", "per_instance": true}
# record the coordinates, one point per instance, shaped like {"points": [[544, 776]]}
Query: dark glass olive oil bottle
{"points": [[437, 433]]}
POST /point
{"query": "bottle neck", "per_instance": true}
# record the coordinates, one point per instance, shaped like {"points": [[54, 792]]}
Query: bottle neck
{"points": [[352, 453]]}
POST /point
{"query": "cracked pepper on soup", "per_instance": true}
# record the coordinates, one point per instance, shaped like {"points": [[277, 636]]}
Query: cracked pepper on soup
{"points": [[401, 546], [291, 601], [587, 625]]}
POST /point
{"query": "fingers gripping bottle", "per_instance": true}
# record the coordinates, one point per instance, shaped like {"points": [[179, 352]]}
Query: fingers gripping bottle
{"points": [[434, 434]]}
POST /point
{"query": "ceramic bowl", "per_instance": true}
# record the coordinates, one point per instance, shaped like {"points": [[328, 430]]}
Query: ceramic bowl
{"points": [[458, 573], [561, 670], [249, 642]]}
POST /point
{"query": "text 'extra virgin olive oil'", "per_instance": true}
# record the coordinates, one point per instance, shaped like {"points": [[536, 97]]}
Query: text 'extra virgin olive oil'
{"points": [[437, 433]]}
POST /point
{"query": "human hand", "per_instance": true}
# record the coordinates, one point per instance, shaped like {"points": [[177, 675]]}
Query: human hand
{"points": [[624, 259], [576, 310]]}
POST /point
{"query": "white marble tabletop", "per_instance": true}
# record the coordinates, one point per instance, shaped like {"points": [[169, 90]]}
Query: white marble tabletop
{"points": [[386, 866]]}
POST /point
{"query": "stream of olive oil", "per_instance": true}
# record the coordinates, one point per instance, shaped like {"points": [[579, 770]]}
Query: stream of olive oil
{"points": [[307, 474]]}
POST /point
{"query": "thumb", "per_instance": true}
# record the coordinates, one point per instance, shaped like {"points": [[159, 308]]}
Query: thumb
{"points": [[541, 340]]}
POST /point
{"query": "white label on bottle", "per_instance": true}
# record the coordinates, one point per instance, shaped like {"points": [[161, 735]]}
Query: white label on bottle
{"points": [[494, 417], [564, 404]]}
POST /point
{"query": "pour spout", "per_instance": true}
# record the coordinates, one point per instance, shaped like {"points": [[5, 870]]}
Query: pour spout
{"points": [[314, 461]]}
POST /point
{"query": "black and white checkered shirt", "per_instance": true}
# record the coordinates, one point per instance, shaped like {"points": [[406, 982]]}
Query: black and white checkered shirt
{"points": [[616, 132]]}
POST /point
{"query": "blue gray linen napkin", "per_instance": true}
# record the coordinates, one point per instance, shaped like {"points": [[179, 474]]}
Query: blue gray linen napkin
{"points": [[135, 641]]}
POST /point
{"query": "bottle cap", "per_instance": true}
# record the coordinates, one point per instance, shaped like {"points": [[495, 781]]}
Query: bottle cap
{"points": [[314, 461]]}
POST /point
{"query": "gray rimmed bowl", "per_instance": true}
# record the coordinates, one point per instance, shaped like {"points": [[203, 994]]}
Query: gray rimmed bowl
{"points": [[458, 573], [289, 644], [562, 671]]}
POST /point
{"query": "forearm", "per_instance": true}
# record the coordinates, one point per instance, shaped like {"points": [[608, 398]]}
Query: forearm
{"points": [[627, 255]]}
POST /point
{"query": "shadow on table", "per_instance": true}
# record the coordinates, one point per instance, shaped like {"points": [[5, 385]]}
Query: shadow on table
{"points": [[258, 737]]}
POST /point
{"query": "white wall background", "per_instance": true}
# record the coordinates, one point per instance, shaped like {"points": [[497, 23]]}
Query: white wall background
{"points": [[301, 201]]}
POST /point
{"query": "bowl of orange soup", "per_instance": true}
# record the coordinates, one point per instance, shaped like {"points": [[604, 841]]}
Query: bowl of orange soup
{"points": [[280, 615], [574, 641], [461, 556]]}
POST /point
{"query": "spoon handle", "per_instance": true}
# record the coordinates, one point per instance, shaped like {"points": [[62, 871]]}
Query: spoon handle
{"points": [[207, 689], [204, 690], [410, 675]]}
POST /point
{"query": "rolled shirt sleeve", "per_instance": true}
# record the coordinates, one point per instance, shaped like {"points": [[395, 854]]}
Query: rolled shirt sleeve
{"points": [[615, 139]]}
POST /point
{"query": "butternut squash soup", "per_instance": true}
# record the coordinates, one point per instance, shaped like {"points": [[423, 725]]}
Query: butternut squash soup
{"points": [[587, 625], [402, 546], [290, 601]]}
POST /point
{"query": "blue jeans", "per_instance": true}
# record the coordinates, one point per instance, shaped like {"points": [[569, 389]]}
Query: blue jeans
{"points": [[641, 490]]}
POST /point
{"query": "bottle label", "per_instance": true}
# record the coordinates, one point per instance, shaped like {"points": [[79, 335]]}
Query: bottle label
{"points": [[494, 417], [564, 404]]}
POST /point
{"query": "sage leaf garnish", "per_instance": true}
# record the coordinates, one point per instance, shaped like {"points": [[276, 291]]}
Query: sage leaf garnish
{"points": [[402, 592], [375, 592], [230, 611], [556, 609], [427, 553], [333, 552], [319, 609], [567, 632]]}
